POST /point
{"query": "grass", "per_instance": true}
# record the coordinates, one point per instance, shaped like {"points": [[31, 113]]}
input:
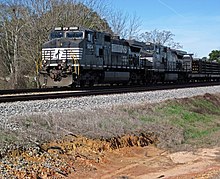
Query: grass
{"points": [[7, 137], [148, 119], [197, 118], [196, 124], [208, 105], [182, 122]]}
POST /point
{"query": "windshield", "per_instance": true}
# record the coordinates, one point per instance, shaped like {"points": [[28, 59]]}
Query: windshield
{"points": [[149, 47], [71, 34], [57, 34], [66, 34]]}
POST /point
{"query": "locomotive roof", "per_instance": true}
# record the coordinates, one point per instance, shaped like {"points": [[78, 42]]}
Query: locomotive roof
{"points": [[179, 52], [78, 28], [135, 43], [71, 28]]}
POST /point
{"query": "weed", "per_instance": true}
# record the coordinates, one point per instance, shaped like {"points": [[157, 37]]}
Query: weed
{"points": [[7, 137], [192, 121], [196, 124], [148, 119]]}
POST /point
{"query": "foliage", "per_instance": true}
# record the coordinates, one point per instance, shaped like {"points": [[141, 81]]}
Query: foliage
{"points": [[214, 55], [25, 26]]}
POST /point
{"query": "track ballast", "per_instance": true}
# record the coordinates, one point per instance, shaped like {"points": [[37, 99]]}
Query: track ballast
{"points": [[51, 93]]}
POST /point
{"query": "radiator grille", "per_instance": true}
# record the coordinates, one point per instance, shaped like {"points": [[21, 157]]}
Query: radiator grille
{"points": [[54, 56]]}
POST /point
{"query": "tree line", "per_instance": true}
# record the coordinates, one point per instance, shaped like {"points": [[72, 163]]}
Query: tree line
{"points": [[25, 25]]}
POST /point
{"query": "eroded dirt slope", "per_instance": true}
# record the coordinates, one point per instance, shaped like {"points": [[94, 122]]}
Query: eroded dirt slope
{"points": [[182, 126], [71, 155], [127, 157]]}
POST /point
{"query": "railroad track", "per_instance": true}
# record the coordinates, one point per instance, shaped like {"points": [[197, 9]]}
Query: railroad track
{"points": [[51, 93]]}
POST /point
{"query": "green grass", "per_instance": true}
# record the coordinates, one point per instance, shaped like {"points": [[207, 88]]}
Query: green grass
{"points": [[207, 105], [7, 137], [148, 119], [196, 125], [198, 118], [192, 122]]}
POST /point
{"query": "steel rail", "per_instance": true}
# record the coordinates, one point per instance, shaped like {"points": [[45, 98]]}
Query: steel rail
{"points": [[31, 90], [39, 90], [106, 91]]}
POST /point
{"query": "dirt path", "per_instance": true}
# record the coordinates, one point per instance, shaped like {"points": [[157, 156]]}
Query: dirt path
{"points": [[150, 162]]}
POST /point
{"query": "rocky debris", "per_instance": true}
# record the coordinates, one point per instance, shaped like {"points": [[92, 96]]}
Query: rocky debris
{"points": [[57, 158], [45, 107]]}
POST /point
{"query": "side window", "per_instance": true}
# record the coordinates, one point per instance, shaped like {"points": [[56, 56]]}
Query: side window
{"points": [[101, 52], [158, 50], [107, 38], [90, 37]]}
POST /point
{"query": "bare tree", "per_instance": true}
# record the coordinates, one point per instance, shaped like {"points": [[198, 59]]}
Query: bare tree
{"points": [[98, 9], [160, 37], [25, 25], [117, 21], [124, 24], [13, 21], [133, 27]]}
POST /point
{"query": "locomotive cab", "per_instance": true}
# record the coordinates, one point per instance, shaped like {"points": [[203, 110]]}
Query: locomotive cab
{"points": [[187, 62]]}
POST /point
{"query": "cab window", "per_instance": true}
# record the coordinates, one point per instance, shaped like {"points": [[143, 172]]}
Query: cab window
{"points": [[56, 34], [89, 36], [77, 35]]}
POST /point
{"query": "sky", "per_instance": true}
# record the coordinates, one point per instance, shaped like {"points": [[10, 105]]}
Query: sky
{"points": [[195, 23]]}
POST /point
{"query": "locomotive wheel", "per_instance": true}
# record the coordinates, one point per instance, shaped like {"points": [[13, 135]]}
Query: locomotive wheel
{"points": [[82, 83], [73, 85], [91, 83]]}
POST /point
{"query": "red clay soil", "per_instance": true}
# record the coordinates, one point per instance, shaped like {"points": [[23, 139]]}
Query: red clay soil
{"points": [[150, 162], [127, 157]]}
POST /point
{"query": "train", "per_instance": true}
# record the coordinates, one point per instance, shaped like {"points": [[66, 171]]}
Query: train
{"points": [[78, 57]]}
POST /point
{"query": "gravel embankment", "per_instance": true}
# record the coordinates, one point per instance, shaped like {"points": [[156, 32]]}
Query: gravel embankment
{"points": [[8, 110], [30, 132]]}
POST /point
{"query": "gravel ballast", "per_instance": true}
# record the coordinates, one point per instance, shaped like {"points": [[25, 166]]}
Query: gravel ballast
{"points": [[26, 125], [8, 110]]}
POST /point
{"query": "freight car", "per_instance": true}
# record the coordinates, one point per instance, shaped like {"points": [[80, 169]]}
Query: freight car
{"points": [[77, 56], [205, 70]]}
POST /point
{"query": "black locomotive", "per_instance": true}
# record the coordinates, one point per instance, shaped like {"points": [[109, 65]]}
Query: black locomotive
{"points": [[77, 57]]}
